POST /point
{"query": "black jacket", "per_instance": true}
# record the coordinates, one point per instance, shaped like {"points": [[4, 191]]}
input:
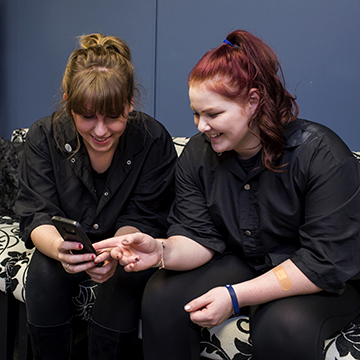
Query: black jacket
{"points": [[138, 191], [309, 213]]}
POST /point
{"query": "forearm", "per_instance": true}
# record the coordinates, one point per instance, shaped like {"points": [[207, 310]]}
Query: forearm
{"points": [[47, 240], [138, 251], [124, 230], [267, 287], [182, 253]]}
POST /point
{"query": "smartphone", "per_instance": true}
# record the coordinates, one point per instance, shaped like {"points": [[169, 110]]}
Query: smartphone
{"points": [[71, 230]]}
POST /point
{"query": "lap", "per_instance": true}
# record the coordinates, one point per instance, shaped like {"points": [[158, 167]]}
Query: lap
{"points": [[184, 286], [296, 327], [118, 301], [50, 287], [168, 291]]}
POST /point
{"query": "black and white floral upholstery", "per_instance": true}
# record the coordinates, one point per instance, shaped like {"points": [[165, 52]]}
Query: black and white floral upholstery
{"points": [[15, 258], [231, 340]]}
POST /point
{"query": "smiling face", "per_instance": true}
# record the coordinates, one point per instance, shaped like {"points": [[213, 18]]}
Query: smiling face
{"points": [[224, 121], [101, 133]]}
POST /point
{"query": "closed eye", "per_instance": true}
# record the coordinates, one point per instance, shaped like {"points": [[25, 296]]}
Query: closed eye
{"points": [[113, 117], [88, 116], [214, 115]]}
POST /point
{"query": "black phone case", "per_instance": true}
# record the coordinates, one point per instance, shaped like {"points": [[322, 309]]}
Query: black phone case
{"points": [[71, 230]]}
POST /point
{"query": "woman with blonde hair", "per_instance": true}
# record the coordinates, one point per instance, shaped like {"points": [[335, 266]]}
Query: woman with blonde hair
{"points": [[99, 162]]}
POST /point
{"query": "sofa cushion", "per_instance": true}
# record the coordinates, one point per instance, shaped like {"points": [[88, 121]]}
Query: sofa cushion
{"points": [[19, 135], [180, 143], [231, 340], [10, 154], [13, 255]]}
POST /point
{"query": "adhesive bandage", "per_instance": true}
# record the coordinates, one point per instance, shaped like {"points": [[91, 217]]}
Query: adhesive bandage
{"points": [[282, 277]]}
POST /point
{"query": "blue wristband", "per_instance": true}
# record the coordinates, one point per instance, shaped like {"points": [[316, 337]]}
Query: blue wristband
{"points": [[234, 300]]}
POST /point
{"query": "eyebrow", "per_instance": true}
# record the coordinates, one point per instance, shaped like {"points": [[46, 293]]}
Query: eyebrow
{"points": [[209, 109]]}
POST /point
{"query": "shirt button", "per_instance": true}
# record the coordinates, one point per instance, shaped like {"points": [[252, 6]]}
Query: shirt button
{"points": [[68, 148], [96, 226], [248, 233], [73, 160], [247, 187], [106, 193], [128, 162]]}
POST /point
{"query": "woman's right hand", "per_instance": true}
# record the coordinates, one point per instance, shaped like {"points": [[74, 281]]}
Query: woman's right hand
{"points": [[47, 240], [74, 263], [136, 252]]}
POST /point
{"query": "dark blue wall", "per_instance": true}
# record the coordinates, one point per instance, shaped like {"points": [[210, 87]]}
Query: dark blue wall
{"points": [[41, 34], [317, 41]]}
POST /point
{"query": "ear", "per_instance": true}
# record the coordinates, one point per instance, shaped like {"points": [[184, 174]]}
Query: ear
{"points": [[254, 99], [131, 105], [64, 96]]}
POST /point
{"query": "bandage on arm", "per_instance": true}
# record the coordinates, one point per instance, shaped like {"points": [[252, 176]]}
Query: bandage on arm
{"points": [[282, 277]]}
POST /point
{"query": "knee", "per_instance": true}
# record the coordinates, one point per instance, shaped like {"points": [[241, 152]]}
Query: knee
{"points": [[163, 297], [276, 326], [43, 270]]}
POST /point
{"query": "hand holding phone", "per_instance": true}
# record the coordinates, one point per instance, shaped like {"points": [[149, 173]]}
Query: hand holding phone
{"points": [[71, 230]]}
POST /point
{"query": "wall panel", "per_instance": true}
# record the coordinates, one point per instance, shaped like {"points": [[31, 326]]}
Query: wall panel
{"points": [[318, 43], [41, 34]]}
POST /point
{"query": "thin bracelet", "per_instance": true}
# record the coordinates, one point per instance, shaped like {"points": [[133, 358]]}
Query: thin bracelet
{"points": [[234, 300], [161, 263]]}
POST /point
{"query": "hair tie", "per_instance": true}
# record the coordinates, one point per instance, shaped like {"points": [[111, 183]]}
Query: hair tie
{"points": [[228, 42]]}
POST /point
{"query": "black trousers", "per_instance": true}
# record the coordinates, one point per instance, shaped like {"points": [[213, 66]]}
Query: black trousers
{"points": [[291, 328], [113, 328]]}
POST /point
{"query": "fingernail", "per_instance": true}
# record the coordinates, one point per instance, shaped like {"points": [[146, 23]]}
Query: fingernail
{"points": [[80, 246], [187, 307], [137, 259], [125, 241]]}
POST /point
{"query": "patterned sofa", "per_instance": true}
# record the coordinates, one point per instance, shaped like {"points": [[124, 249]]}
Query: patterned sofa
{"points": [[231, 340]]}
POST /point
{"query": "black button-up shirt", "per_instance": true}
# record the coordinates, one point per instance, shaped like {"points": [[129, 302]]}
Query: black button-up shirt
{"points": [[139, 187], [309, 213]]}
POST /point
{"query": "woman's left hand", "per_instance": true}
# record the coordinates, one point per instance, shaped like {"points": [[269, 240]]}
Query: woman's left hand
{"points": [[103, 273], [212, 308]]}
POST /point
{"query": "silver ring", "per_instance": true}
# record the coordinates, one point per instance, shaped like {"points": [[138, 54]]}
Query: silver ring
{"points": [[67, 266]]}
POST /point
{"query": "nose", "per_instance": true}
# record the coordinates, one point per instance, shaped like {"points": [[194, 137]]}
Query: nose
{"points": [[202, 124], [100, 128]]}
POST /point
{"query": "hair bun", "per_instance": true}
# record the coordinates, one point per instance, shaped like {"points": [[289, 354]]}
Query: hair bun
{"points": [[112, 43]]}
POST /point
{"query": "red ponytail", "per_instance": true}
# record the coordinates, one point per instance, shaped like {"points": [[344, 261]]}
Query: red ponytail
{"points": [[246, 63]]}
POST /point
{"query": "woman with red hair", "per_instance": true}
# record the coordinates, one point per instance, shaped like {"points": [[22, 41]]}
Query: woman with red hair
{"points": [[265, 219]]}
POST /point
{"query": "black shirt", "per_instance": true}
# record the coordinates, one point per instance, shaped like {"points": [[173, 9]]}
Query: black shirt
{"points": [[99, 180], [309, 213], [138, 191]]}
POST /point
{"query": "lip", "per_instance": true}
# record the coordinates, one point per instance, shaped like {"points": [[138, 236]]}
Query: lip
{"points": [[100, 141], [214, 137]]}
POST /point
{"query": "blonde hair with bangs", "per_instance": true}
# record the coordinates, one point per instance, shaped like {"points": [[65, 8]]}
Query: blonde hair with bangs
{"points": [[99, 78]]}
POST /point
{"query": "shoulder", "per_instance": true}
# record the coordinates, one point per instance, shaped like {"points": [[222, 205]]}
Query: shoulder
{"points": [[46, 129], [199, 146], [199, 156], [145, 123], [143, 131], [40, 133], [313, 137], [41, 126]]}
